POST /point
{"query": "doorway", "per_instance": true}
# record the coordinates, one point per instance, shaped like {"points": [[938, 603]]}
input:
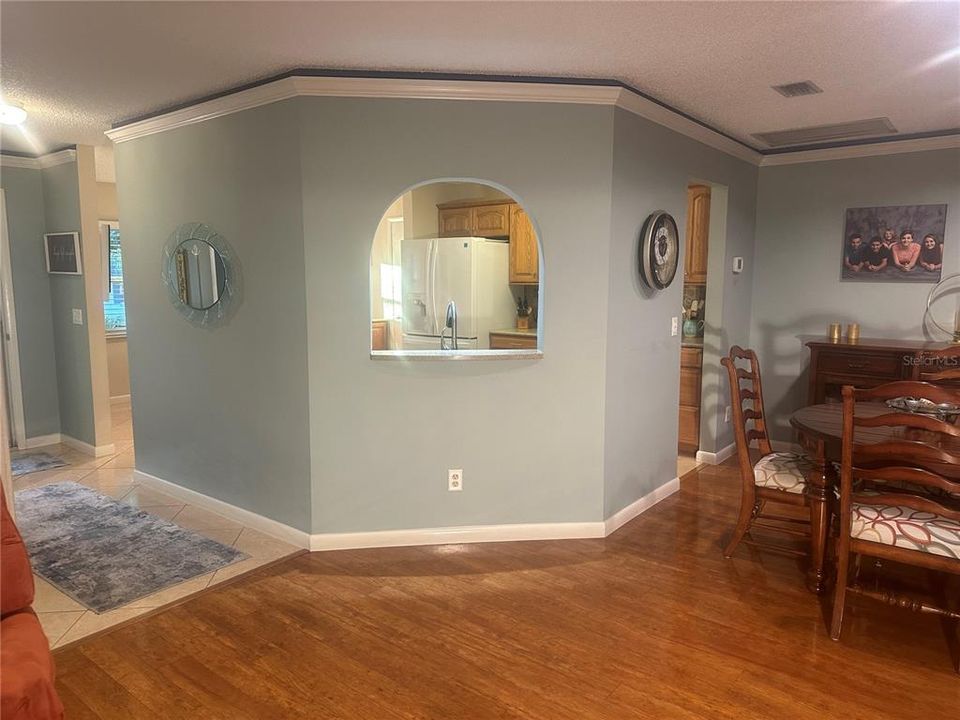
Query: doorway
{"points": [[696, 245], [14, 423]]}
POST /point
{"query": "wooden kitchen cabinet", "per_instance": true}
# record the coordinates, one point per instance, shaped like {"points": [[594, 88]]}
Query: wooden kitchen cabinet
{"points": [[474, 218], [524, 258], [496, 219], [492, 220], [698, 232], [455, 221], [691, 361], [510, 341], [378, 335]]}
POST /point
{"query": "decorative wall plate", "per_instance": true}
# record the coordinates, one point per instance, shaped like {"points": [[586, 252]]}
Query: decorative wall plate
{"points": [[659, 250]]}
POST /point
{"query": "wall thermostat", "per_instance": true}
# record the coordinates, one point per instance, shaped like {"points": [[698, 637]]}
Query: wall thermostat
{"points": [[738, 264]]}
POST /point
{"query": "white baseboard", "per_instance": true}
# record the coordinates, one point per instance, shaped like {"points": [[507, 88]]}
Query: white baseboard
{"points": [[41, 440], [84, 447], [456, 535], [625, 515], [252, 520], [114, 399], [416, 536], [718, 457]]}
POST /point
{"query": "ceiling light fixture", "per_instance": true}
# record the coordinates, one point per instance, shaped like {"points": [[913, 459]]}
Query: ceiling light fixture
{"points": [[12, 114]]}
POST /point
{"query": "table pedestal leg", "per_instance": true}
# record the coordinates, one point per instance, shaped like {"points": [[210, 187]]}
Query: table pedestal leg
{"points": [[817, 492]]}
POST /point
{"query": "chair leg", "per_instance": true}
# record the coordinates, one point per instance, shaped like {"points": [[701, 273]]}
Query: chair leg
{"points": [[839, 594], [748, 511]]}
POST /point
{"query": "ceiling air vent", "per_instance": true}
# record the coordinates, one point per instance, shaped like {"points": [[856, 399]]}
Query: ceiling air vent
{"points": [[874, 127], [797, 89]]}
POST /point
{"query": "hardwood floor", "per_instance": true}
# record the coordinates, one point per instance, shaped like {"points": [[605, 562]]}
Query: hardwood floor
{"points": [[650, 623]]}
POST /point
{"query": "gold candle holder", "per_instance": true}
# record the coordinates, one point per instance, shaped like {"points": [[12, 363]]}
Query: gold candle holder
{"points": [[853, 332], [834, 332]]}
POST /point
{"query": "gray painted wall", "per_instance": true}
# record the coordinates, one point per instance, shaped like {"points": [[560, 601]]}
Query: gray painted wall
{"points": [[31, 287], [62, 213], [797, 286], [528, 434], [652, 167], [284, 412], [222, 411]]}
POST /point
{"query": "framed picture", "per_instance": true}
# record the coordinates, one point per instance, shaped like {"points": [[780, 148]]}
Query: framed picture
{"points": [[63, 253], [897, 243]]}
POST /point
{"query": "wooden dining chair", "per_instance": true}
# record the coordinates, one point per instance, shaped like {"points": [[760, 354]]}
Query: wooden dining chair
{"points": [[776, 477], [895, 501]]}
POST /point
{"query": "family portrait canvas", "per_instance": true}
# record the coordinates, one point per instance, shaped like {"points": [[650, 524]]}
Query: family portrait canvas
{"points": [[899, 243]]}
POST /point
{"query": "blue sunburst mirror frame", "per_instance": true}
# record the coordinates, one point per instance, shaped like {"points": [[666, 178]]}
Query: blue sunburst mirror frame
{"points": [[202, 275]]}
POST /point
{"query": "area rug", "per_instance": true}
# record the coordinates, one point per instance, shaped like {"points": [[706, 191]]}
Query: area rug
{"points": [[105, 554], [35, 462]]}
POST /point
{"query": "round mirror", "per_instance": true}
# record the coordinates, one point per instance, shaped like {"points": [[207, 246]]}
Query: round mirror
{"points": [[201, 274]]}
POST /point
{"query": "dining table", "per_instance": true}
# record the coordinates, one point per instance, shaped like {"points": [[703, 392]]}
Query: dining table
{"points": [[819, 432]]}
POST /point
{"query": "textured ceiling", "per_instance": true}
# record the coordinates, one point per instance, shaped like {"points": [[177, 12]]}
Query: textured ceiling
{"points": [[79, 66]]}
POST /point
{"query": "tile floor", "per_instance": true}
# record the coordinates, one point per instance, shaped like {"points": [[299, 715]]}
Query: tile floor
{"points": [[64, 619]]}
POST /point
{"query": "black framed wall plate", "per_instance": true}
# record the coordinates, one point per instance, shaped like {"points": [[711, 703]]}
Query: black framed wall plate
{"points": [[659, 252]]}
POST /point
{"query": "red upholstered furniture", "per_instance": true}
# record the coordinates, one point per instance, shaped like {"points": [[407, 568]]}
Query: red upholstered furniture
{"points": [[26, 667]]}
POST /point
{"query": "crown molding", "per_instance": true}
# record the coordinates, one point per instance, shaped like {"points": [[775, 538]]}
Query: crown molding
{"points": [[890, 147], [18, 161], [38, 163], [663, 115], [57, 158], [432, 89], [498, 90]]}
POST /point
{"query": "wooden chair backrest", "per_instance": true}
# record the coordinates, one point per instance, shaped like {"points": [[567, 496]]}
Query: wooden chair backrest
{"points": [[889, 464], [745, 385]]}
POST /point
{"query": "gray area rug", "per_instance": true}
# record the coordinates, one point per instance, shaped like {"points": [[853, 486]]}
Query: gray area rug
{"points": [[105, 554], [35, 462]]}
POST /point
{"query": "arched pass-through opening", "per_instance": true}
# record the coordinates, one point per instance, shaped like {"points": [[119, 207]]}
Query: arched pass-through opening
{"points": [[456, 272]]}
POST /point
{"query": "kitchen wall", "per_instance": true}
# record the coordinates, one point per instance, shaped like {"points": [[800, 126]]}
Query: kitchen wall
{"points": [[652, 167], [225, 411], [797, 286], [61, 190], [527, 433], [23, 188]]}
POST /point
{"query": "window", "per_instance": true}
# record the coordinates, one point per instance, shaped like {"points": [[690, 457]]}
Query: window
{"points": [[390, 273], [114, 310]]}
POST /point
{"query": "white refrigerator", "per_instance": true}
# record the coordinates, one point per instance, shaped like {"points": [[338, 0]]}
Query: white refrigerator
{"points": [[473, 272]]}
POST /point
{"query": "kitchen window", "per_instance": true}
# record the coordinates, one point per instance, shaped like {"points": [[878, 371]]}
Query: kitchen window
{"points": [[114, 307]]}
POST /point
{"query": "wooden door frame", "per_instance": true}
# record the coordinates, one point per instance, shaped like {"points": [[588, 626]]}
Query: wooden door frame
{"points": [[11, 344]]}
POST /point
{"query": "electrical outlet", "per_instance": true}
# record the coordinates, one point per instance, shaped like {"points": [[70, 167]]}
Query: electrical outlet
{"points": [[77, 316], [455, 480], [674, 326], [726, 414]]}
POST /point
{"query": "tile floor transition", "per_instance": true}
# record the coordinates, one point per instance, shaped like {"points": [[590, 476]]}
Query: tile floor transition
{"points": [[64, 619]]}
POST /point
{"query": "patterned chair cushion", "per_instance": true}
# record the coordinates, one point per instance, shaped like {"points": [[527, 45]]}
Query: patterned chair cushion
{"points": [[782, 471], [906, 528]]}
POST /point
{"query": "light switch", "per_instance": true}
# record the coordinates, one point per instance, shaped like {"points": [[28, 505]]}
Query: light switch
{"points": [[77, 316], [674, 326]]}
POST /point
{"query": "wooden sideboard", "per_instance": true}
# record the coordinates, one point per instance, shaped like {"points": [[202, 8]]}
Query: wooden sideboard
{"points": [[864, 364]]}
